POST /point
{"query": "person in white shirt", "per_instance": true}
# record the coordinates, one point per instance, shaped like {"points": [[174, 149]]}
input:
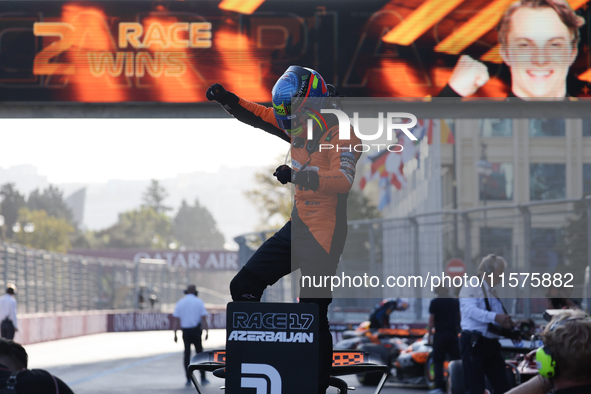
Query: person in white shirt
{"points": [[190, 311], [9, 322], [481, 351]]}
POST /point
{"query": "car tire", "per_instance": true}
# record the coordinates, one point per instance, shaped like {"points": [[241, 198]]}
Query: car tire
{"points": [[455, 378]]}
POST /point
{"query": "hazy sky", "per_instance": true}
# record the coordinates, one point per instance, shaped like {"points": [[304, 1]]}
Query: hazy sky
{"points": [[96, 150]]}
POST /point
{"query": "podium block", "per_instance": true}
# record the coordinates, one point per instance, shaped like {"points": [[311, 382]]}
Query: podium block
{"points": [[272, 348]]}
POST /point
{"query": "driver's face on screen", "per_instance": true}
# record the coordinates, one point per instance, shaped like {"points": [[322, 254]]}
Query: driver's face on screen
{"points": [[539, 52]]}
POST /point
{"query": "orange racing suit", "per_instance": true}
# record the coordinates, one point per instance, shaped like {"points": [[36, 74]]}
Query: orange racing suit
{"points": [[334, 162]]}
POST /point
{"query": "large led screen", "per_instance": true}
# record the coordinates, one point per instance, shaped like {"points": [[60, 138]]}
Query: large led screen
{"points": [[158, 51]]}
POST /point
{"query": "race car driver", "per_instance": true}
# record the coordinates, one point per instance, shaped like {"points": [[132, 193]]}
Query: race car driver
{"points": [[380, 315], [314, 238]]}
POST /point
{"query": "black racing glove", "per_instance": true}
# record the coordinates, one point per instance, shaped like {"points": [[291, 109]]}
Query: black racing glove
{"points": [[217, 92], [308, 179], [283, 174]]}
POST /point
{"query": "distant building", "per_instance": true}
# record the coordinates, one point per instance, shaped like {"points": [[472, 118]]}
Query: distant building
{"points": [[532, 160], [500, 164], [507, 162]]}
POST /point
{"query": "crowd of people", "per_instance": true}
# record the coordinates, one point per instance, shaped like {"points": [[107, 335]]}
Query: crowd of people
{"points": [[464, 328], [467, 324], [480, 319]]}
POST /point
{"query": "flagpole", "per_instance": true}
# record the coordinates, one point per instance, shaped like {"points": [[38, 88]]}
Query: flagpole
{"points": [[455, 195]]}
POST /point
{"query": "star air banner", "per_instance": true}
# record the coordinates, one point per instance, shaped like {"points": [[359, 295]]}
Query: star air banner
{"points": [[145, 51], [272, 346]]}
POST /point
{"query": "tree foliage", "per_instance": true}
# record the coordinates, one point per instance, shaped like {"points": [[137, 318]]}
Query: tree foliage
{"points": [[50, 233], [150, 227], [51, 200], [273, 199], [45, 215], [11, 202], [360, 208], [154, 196], [143, 227], [49, 223], [195, 227]]}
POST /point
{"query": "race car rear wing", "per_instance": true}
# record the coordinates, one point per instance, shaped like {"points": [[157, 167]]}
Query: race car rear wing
{"points": [[344, 362]]}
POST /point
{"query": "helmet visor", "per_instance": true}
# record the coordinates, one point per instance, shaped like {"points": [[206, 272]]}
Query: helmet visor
{"points": [[283, 121], [291, 123]]}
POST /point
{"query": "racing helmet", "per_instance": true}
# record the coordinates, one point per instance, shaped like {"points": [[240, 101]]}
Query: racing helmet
{"points": [[300, 83]]}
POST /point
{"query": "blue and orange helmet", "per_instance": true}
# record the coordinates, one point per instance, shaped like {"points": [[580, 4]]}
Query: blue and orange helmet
{"points": [[298, 83]]}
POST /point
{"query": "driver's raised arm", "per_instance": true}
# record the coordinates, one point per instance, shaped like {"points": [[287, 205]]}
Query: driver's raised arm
{"points": [[253, 114]]}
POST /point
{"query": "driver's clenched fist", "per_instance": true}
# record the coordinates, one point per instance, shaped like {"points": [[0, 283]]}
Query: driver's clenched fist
{"points": [[468, 76]]}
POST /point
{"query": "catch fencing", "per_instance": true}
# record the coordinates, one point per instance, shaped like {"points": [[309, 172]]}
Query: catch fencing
{"points": [[545, 238], [52, 282]]}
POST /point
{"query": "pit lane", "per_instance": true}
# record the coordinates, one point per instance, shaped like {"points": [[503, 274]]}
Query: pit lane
{"points": [[137, 362]]}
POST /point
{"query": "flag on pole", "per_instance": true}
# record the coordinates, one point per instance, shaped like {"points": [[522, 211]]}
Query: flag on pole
{"points": [[446, 134], [423, 127], [408, 151], [421, 130], [377, 168], [385, 194], [394, 166]]}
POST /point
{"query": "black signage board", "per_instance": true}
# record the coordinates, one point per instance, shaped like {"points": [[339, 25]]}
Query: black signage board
{"points": [[272, 348]]}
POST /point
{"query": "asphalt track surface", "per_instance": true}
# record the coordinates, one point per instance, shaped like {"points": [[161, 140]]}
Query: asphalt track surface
{"points": [[139, 362]]}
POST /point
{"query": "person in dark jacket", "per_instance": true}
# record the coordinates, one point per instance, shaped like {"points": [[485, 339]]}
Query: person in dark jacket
{"points": [[15, 378], [444, 321]]}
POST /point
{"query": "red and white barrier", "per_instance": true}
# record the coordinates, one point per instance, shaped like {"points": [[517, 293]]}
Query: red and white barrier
{"points": [[42, 327]]}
